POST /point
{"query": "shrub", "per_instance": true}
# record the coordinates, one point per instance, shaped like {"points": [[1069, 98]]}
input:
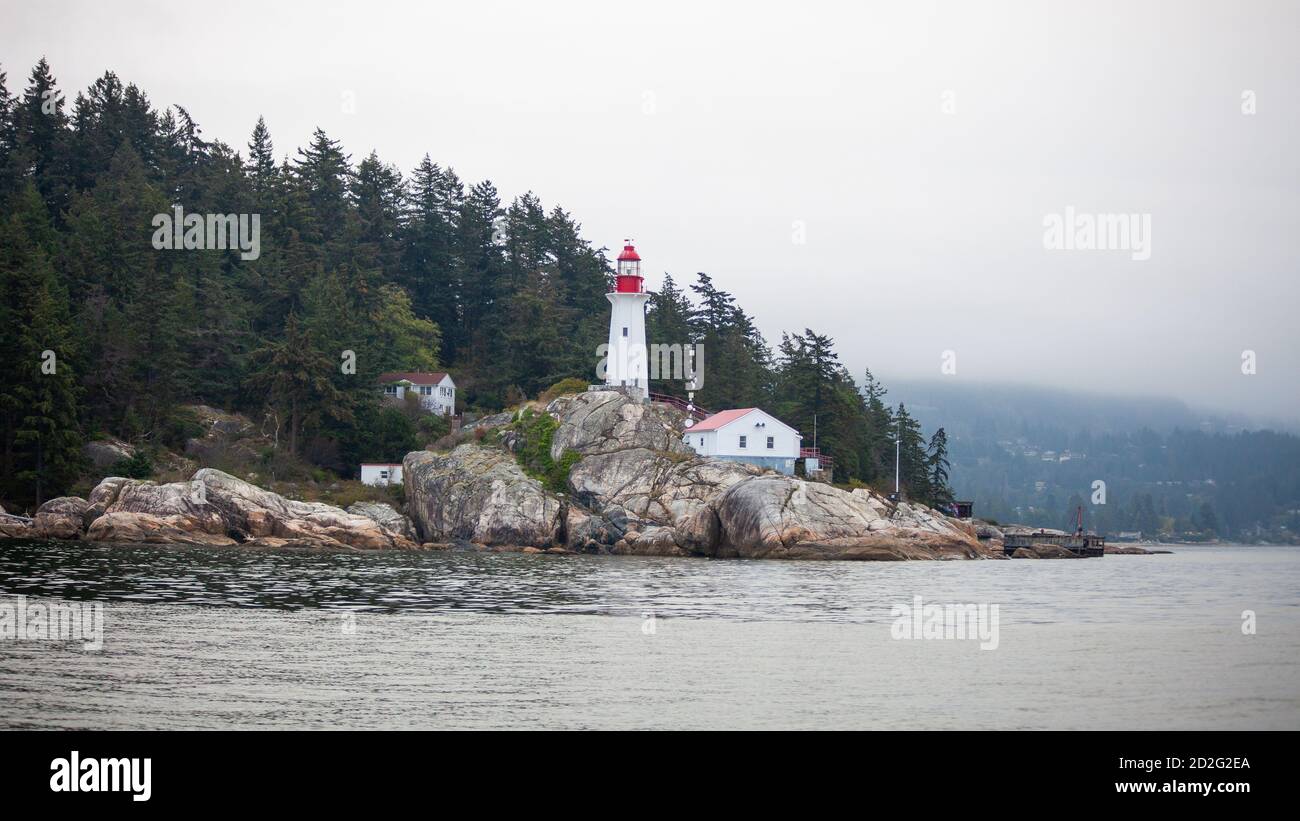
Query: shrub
{"points": [[180, 427], [564, 387], [537, 433], [137, 466]]}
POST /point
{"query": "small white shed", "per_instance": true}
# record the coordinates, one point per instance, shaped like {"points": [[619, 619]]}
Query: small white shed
{"points": [[381, 473]]}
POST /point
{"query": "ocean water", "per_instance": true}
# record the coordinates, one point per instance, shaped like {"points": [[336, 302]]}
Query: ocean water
{"points": [[237, 638]]}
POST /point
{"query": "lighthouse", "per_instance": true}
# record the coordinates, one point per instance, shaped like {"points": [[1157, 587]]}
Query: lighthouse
{"points": [[626, 360]]}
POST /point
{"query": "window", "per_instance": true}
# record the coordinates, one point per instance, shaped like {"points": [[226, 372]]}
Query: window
{"points": [[701, 441], [625, 332], [383, 474], [426, 390], [771, 442], [390, 390], [743, 440]]}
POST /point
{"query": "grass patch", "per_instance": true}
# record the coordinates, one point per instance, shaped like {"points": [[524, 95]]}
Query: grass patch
{"points": [[537, 434]]}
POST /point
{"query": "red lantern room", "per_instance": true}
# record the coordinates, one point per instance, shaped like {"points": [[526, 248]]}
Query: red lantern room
{"points": [[629, 271]]}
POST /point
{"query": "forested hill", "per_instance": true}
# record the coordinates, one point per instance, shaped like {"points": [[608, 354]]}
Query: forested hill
{"points": [[1032, 455], [106, 334]]}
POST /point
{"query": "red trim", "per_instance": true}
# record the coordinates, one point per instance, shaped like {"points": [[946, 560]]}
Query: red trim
{"points": [[630, 285]]}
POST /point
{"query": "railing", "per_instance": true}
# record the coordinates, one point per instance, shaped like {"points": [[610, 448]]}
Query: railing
{"points": [[695, 412], [825, 460]]}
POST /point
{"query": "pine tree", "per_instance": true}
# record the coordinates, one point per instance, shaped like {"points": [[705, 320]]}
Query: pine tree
{"points": [[668, 322], [940, 494], [294, 376], [41, 137], [880, 426], [40, 439], [380, 196], [260, 167], [912, 455], [10, 174], [429, 265], [323, 175]]}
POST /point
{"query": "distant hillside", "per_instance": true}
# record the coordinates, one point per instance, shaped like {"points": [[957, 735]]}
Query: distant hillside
{"points": [[1015, 410], [1032, 455]]}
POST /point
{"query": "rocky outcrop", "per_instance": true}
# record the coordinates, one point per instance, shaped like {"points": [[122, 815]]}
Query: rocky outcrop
{"points": [[14, 527], [182, 506], [227, 437], [676, 503], [1043, 550], [779, 516], [635, 464], [654, 486], [384, 514], [250, 511], [984, 530], [216, 508], [61, 518], [102, 454], [599, 422], [480, 495], [135, 527], [495, 420], [1131, 550]]}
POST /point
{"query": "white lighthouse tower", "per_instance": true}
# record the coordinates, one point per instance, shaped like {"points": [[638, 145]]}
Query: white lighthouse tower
{"points": [[626, 362]]}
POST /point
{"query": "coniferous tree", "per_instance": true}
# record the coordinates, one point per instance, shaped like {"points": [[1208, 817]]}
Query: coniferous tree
{"points": [[939, 494], [9, 173], [294, 376], [912, 455], [40, 438], [41, 139]]}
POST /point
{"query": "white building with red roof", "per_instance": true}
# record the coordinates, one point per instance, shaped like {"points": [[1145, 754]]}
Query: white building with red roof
{"points": [[437, 391], [746, 435]]}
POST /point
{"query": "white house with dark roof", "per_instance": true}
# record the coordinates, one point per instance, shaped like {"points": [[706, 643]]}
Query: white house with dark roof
{"points": [[746, 435], [437, 391]]}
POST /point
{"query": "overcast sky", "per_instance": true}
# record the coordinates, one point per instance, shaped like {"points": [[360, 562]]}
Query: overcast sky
{"points": [[917, 147]]}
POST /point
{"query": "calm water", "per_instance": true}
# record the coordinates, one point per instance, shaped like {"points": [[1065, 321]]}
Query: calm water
{"points": [[210, 638]]}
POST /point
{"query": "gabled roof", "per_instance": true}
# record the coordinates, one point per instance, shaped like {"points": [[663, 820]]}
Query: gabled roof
{"points": [[720, 418], [414, 377], [723, 418]]}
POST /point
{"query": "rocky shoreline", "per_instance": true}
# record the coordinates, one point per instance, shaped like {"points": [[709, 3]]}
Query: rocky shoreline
{"points": [[634, 488]]}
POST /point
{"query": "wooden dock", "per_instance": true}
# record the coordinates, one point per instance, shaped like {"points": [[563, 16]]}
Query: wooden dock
{"points": [[1088, 545]]}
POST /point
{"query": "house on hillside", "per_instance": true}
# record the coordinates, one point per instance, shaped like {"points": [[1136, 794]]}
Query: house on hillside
{"points": [[381, 473], [747, 435], [437, 391]]}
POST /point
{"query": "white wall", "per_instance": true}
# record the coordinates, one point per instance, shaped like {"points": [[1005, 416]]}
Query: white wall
{"points": [[725, 441], [436, 402], [373, 474], [704, 443]]}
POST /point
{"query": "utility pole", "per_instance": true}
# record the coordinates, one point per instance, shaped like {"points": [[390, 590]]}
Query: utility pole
{"points": [[898, 459]]}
